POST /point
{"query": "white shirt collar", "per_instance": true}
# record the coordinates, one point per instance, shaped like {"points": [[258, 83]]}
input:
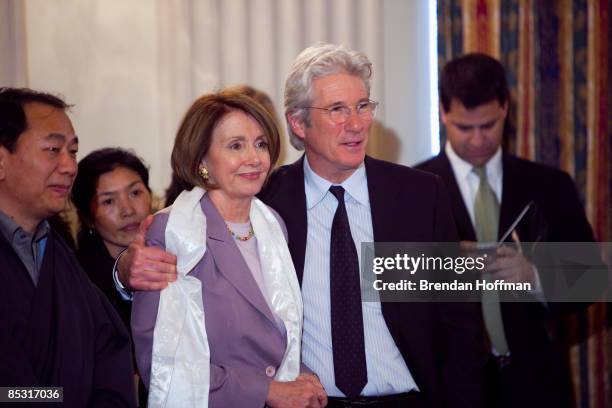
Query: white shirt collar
{"points": [[316, 186], [463, 169]]}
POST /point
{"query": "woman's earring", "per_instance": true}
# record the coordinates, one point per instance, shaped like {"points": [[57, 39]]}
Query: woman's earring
{"points": [[203, 172]]}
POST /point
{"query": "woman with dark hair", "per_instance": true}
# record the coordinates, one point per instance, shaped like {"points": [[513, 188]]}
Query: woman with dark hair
{"points": [[112, 196]]}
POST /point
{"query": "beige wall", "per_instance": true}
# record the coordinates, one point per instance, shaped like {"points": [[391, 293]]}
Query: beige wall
{"points": [[133, 67]]}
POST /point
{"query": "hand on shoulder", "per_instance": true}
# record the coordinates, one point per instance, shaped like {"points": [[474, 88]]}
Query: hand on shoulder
{"points": [[146, 268]]}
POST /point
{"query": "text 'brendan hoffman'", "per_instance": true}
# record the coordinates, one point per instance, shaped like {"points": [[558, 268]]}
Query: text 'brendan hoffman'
{"points": [[425, 285]]}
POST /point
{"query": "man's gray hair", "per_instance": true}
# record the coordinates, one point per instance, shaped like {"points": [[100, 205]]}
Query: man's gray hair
{"points": [[314, 62]]}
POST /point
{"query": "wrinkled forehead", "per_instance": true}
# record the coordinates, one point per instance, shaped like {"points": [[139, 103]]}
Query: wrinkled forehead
{"points": [[340, 87]]}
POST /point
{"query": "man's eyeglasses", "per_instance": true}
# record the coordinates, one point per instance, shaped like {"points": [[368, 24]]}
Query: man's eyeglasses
{"points": [[340, 114]]}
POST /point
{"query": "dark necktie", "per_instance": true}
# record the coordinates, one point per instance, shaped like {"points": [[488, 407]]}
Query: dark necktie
{"points": [[350, 370]]}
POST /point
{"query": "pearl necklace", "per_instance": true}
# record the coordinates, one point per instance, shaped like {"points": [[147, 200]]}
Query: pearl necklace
{"points": [[248, 236]]}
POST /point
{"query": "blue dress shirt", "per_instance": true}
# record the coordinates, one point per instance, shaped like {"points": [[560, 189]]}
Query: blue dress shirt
{"points": [[387, 371]]}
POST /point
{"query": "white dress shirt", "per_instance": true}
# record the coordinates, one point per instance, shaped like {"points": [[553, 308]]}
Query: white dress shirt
{"points": [[468, 181], [468, 185], [387, 371]]}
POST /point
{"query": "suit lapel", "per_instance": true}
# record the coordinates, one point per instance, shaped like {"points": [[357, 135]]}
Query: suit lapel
{"points": [[381, 202], [287, 195], [442, 167], [512, 203], [385, 207], [513, 197], [229, 259], [297, 217]]}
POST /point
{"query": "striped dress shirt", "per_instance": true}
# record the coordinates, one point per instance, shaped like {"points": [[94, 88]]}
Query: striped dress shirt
{"points": [[387, 371]]}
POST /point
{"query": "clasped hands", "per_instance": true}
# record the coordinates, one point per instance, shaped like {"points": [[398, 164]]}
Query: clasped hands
{"points": [[305, 392]]}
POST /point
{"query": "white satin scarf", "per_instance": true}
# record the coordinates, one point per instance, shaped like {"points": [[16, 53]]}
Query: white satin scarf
{"points": [[180, 365]]}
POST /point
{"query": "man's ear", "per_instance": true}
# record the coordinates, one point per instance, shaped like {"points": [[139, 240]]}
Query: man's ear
{"points": [[505, 108], [442, 114], [297, 124], [3, 159]]}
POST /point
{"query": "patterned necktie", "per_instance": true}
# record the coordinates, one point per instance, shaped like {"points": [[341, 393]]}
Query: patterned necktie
{"points": [[350, 370], [486, 217]]}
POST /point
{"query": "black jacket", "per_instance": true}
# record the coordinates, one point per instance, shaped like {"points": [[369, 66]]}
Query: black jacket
{"points": [[440, 343], [539, 374]]}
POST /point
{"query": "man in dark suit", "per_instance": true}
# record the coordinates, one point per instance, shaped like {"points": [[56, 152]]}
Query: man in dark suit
{"points": [[524, 369], [330, 119], [333, 199]]}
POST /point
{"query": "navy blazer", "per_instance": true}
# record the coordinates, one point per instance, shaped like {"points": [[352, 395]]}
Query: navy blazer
{"points": [[440, 343]]}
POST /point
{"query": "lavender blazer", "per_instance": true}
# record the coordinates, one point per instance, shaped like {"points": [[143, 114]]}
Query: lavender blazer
{"points": [[246, 345]]}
